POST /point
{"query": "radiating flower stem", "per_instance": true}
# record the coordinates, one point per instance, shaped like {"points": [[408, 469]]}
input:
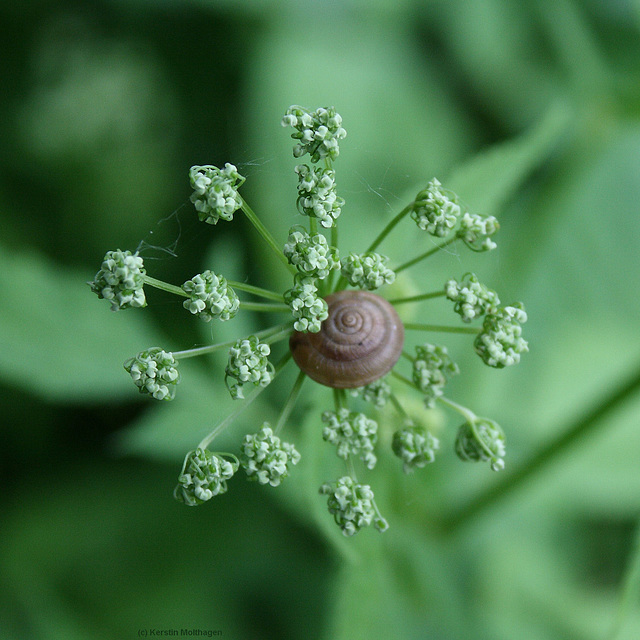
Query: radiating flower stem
{"points": [[389, 228], [165, 286], [424, 296], [574, 432], [339, 399], [290, 403], [467, 414], [425, 255], [205, 442], [266, 235], [440, 328], [399, 408], [277, 332], [264, 306], [402, 378], [256, 291]]}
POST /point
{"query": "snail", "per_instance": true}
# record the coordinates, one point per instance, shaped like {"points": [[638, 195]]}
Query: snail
{"points": [[358, 343]]}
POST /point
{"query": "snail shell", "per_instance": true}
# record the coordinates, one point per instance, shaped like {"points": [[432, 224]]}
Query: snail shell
{"points": [[358, 343]]}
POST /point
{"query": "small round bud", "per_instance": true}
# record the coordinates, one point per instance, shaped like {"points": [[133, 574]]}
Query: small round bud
{"points": [[433, 210], [317, 196], [431, 369], [415, 446], [377, 392], [248, 363], [266, 458], [204, 475], [311, 255], [215, 192], [367, 270], [154, 372], [210, 296], [472, 298], [500, 342], [353, 434], [308, 309], [120, 280], [476, 231], [481, 440], [351, 505], [318, 133]]}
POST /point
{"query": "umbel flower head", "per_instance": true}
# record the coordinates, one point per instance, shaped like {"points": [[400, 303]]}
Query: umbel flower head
{"points": [[154, 372], [415, 446], [344, 329], [204, 475], [215, 192], [210, 296], [120, 280], [266, 458]]}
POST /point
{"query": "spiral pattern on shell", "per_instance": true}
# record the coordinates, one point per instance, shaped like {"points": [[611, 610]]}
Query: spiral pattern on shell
{"points": [[358, 343]]}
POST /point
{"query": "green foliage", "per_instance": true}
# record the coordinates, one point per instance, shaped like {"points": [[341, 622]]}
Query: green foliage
{"points": [[530, 111]]}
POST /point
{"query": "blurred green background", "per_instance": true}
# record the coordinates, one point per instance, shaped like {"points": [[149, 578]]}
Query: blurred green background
{"points": [[529, 110]]}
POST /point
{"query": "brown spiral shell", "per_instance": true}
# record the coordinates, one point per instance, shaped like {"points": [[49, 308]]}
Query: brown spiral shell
{"points": [[358, 343]]}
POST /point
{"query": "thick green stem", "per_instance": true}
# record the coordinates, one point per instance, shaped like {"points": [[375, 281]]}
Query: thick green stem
{"points": [[266, 235], [425, 255], [290, 403], [389, 228], [440, 328], [424, 296], [222, 425], [256, 291], [573, 433], [165, 286]]}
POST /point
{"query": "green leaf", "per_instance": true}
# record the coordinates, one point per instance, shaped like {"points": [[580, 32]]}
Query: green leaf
{"points": [[486, 182]]}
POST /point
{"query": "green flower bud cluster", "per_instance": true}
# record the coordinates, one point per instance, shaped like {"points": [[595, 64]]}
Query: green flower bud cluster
{"points": [[377, 392], [481, 440], [352, 506], [472, 298], [210, 296], [317, 196], [204, 475], [415, 446], [437, 213], [353, 433], [500, 342], [120, 280], [308, 309], [215, 192], [476, 231], [431, 369], [318, 132], [367, 270], [310, 255], [154, 372], [265, 458], [248, 363], [433, 210]]}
